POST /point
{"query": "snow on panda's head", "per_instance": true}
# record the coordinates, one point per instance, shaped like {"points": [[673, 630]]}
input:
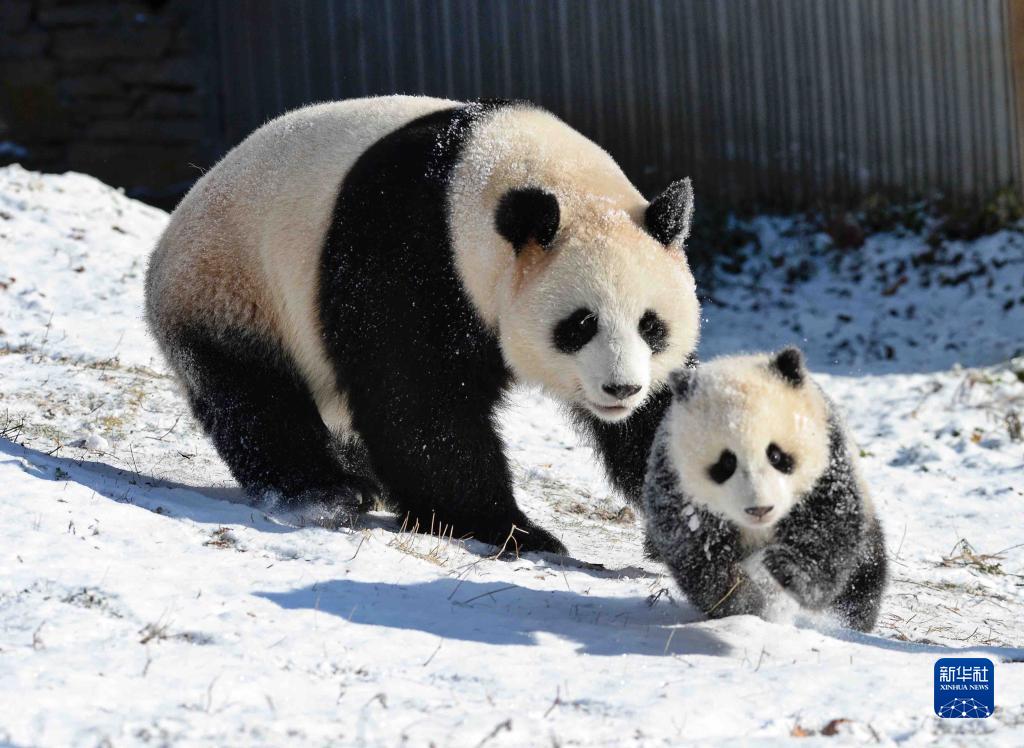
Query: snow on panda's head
{"points": [[748, 435], [597, 310]]}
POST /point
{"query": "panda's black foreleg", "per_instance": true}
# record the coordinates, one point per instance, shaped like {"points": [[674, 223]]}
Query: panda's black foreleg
{"points": [[624, 446], [816, 546], [443, 464], [859, 602], [263, 421], [705, 559]]}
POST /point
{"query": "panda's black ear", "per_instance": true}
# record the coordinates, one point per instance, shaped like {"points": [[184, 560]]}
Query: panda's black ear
{"points": [[789, 364], [527, 214], [669, 215], [682, 382]]}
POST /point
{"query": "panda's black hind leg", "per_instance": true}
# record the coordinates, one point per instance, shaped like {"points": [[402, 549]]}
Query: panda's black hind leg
{"points": [[263, 421]]}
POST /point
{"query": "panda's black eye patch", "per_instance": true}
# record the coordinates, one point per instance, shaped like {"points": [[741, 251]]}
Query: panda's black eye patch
{"points": [[654, 331], [722, 470], [780, 460], [575, 331]]}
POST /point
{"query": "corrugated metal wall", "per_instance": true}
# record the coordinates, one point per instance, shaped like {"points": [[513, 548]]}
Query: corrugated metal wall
{"points": [[778, 102]]}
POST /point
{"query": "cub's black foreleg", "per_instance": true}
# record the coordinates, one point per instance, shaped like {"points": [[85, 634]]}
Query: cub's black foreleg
{"points": [[861, 598], [702, 551], [705, 562], [817, 544], [265, 425]]}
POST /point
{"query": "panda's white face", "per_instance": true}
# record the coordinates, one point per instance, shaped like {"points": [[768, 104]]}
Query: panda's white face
{"points": [[747, 443], [600, 317]]}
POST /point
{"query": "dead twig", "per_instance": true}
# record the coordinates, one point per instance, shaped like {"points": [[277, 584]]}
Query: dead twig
{"points": [[506, 726], [487, 594], [726, 596]]}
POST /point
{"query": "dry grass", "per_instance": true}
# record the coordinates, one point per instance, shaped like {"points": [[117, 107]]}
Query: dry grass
{"points": [[964, 555], [223, 537], [438, 545]]}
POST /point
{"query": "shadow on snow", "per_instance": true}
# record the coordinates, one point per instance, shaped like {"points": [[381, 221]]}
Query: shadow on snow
{"points": [[503, 614]]}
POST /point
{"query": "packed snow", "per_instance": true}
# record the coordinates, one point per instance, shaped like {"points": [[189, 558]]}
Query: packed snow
{"points": [[143, 602]]}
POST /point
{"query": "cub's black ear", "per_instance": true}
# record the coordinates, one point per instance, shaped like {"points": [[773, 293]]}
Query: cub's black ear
{"points": [[668, 216], [789, 364], [682, 382], [526, 215]]}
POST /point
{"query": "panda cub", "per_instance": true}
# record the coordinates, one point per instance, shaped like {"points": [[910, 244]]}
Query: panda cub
{"points": [[752, 485]]}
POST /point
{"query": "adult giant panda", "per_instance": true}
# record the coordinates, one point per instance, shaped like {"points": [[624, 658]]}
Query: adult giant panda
{"points": [[348, 295]]}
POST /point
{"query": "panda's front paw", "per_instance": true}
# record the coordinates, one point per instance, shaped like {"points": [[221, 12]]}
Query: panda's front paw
{"points": [[786, 569], [525, 537]]}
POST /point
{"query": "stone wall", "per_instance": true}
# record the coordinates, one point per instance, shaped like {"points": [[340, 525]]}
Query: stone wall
{"points": [[114, 89]]}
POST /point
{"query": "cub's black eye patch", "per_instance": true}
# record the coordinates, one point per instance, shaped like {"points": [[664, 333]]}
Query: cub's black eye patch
{"points": [[780, 460], [722, 470], [575, 331], [654, 331]]}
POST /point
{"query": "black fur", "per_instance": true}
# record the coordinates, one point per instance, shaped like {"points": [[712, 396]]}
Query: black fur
{"points": [[827, 552], [724, 467], [654, 331], [668, 216], [780, 459], [682, 381], [264, 424], [424, 377], [527, 214], [575, 331], [624, 446], [789, 364]]}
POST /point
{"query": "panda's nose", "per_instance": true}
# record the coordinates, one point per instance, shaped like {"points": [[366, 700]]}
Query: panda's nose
{"points": [[758, 511], [621, 391]]}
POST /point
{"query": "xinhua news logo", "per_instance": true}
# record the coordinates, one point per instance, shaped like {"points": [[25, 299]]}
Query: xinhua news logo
{"points": [[965, 688]]}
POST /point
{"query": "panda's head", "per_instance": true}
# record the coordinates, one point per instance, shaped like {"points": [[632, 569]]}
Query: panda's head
{"points": [[599, 304], [748, 435]]}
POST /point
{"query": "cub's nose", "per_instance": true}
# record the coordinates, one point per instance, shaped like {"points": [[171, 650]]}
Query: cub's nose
{"points": [[758, 511], [621, 391]]}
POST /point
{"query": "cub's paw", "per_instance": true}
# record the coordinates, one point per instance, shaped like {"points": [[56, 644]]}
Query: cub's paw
{"points": [[788, 570]]}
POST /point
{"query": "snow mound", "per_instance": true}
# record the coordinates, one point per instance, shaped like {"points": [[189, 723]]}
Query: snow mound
{"points": [[74, 258], [142, 602]]}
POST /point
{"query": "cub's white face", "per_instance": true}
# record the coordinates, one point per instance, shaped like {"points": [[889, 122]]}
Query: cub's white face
{"points": [[600, 316], [747, 443]]}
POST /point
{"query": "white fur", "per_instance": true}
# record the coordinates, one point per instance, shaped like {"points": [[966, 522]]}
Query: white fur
{"points": [[738, 403], [601, 259], [243, 248]]}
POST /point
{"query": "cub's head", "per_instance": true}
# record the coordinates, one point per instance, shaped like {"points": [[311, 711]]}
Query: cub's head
{"points": [[599, 305], [748, 435]]}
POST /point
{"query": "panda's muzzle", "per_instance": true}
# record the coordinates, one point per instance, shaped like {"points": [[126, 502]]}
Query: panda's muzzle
{"points": [[621, 391]]}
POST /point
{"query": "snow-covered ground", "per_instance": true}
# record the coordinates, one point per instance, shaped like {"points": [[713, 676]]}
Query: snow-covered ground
{"points": [[142, 602]]}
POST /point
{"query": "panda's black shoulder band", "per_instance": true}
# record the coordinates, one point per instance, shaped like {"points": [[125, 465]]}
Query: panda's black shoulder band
{"points": [[527, 214]]}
